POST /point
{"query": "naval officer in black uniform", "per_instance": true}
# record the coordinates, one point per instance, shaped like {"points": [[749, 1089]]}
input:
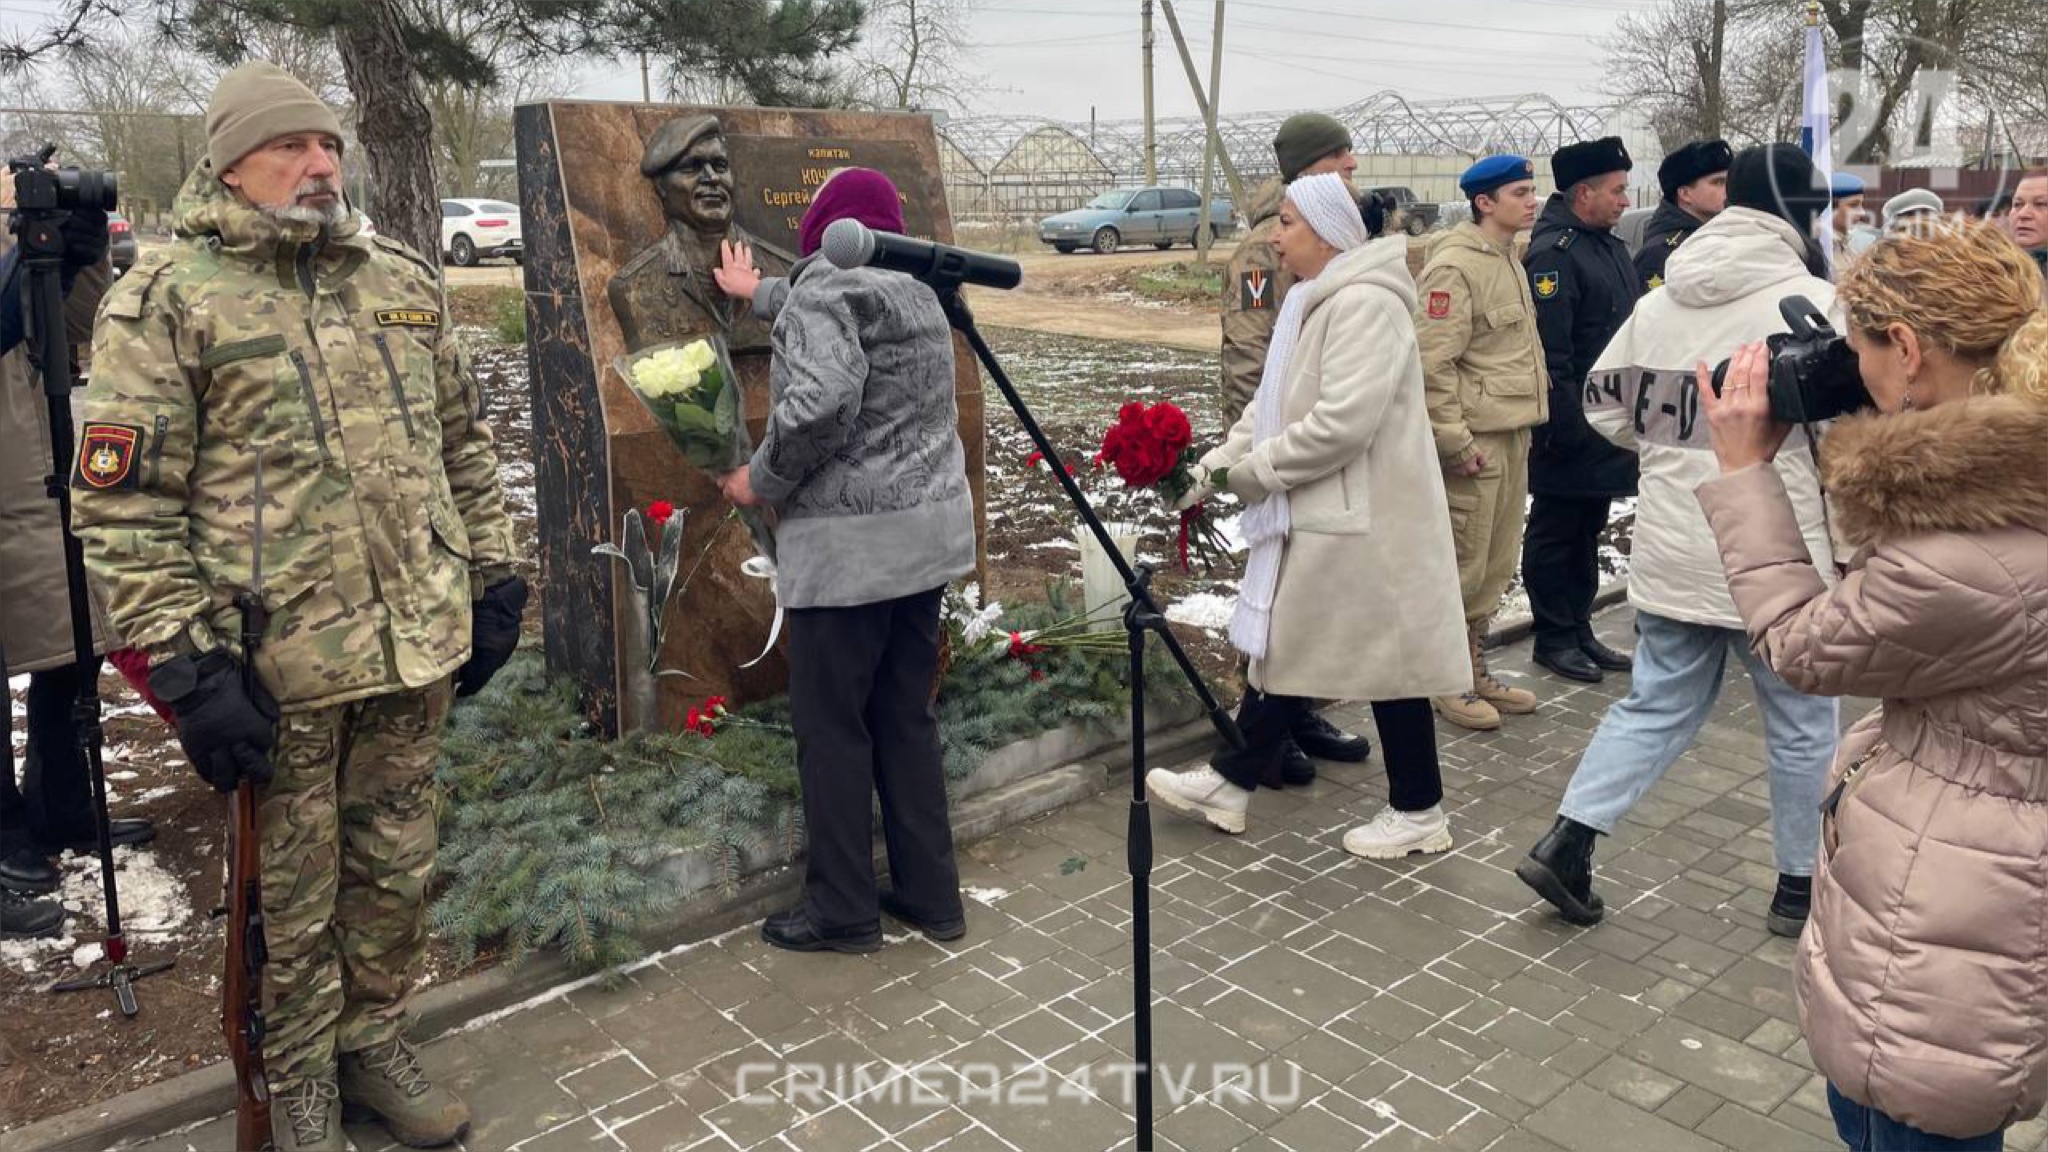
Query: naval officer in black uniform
{"points": [[1695, 184], [1584, 286]]}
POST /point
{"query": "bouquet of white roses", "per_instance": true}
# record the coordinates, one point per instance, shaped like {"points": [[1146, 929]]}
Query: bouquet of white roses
{"points": [[693, 392]]}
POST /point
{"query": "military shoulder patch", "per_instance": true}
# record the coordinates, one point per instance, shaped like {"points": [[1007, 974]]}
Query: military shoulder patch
{"points": [[1254, 290], [1565, 241], [106, 456], [1545, 285], [1439, 305], [408, 318]]}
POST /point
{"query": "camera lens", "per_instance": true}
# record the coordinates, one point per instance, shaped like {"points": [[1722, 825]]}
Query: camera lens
{"points": [[99, 190], [85, 188]]}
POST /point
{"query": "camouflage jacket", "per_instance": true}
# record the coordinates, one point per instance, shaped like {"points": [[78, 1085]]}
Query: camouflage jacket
{"points": [[332, 368], [1252, 292]]}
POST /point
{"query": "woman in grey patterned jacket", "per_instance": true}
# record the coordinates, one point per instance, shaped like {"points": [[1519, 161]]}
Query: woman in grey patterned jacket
{"points": [[863, 461]]}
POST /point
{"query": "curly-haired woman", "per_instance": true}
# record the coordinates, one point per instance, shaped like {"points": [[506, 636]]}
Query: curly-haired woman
{"points": [[1923, 974]]}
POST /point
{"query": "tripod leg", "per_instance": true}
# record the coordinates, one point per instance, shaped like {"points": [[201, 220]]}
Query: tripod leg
{"points": [[1138, 844], [124, 991]]}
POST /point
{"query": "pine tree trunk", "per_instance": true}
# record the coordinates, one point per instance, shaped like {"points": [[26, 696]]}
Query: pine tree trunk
{"points": [[394, 126]]}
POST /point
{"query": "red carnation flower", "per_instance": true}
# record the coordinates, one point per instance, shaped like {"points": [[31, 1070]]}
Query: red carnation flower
{"points": [[661, 511]]}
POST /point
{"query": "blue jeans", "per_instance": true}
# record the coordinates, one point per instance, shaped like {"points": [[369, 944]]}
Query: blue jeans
{"points": [[1868, 1130], [1677, 676]]}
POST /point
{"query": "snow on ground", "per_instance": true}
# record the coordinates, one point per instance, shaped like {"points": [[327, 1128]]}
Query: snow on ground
{"points": [[154, 910], [1205, 610]]}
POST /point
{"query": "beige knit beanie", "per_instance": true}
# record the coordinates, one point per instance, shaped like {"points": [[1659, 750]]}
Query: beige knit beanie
{"points": [[255, 104]]}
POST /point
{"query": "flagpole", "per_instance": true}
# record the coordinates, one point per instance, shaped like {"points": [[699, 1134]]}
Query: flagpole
{"points": [[1816, 118]]}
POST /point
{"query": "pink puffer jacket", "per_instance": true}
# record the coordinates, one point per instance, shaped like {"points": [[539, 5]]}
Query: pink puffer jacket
{"points": [[1923, 973]]}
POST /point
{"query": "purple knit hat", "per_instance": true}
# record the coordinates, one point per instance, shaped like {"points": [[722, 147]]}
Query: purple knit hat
{"points": [[861, 194]]}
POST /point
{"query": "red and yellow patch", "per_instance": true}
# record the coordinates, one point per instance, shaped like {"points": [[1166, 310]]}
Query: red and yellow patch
{"points": [[1439, 305], [106, 455]]}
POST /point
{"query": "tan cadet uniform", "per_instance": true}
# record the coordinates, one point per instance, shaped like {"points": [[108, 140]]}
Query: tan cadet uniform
{"points": [[1483, 366], [335, 369], [1252, 292]]}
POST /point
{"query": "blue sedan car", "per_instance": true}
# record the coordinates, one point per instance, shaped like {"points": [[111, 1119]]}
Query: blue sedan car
{"points": [[1160, 217]]}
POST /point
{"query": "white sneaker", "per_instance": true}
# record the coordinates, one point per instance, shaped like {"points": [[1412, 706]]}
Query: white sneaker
{"points": [[1393, 834], [1202, 794]]}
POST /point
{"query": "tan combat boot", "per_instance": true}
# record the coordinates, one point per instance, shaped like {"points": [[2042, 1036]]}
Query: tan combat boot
{"points": [[387, 1082], [1512, 701], [304, 1117], [1468, 711]]}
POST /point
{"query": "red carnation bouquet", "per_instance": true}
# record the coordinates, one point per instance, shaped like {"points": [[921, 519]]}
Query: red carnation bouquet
{"points": [[1153, 447]]}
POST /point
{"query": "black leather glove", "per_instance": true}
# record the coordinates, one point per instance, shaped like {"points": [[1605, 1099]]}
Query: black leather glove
{"points": [[85, 237], [226, 734], [493, 634]]}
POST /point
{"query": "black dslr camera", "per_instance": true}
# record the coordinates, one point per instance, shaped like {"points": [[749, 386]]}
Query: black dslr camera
{"points": [[1813, 372], [40, 188]]}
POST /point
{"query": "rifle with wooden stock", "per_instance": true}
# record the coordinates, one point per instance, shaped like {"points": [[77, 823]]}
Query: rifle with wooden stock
{"points": [[247, 951]]}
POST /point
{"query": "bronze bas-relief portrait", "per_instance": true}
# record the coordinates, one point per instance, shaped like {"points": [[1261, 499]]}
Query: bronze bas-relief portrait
{"points": [[665, 293]]}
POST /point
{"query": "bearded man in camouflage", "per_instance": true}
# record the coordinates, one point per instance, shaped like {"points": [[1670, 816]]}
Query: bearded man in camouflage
{"points": [[275, 349]]}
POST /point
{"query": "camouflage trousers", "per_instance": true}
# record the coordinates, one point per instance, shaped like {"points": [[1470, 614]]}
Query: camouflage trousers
{"points": [[348, 851], [1487, 512]]}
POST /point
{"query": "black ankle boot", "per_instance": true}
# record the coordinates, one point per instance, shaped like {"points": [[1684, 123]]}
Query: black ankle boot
{"points": [[1560, 869], [1789, 905]]}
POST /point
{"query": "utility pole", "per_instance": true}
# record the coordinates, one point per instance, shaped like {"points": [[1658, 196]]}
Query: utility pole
{"points": [[646, 92], [1205, 231], [1208, 109], [1151, 143]]}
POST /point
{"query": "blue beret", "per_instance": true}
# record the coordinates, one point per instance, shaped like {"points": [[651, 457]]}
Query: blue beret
{"points": [[1493, 172], [1846, 184]]}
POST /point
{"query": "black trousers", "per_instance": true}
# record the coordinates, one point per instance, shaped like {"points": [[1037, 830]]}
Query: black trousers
{"points": [[53, 803], [860, 698], [1407, 731], [1561, 567]]}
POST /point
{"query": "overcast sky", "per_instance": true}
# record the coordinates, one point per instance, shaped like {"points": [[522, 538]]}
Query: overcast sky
{"points": [[1057, 58]]}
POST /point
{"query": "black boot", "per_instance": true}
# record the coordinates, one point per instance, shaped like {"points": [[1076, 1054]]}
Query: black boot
{"points": [[1560, 869], [1325, 741], [24, 919], [28, 871], [1789, 905], [1605, 658]]}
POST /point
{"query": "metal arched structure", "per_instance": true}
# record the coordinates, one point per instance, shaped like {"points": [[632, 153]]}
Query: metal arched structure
{"points": [[1016, 167]]}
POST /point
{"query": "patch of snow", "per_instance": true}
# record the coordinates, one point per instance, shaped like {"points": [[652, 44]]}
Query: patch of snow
{"points": [[988, 896], [1205, 610], [154, 910]]}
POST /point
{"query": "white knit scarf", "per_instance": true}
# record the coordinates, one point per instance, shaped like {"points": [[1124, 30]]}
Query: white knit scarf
{"points": [[1326, 203]]}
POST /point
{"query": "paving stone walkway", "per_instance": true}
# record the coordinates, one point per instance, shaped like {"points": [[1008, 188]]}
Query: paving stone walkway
{"points": [[1429, 1003]]}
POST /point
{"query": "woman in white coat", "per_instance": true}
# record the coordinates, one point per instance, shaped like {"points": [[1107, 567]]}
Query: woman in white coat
{"points": [[1351, 591]]}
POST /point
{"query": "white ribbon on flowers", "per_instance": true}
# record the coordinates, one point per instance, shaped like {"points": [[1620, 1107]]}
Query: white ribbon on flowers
{"points": [[762, 568]]}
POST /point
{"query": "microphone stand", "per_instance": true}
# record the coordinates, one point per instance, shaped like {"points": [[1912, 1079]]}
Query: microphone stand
{"points": [[1142, 617], [49, 349]]}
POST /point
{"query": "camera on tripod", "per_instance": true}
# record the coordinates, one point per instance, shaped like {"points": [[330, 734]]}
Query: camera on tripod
{"points": [[1813, 372], [41, 188]]}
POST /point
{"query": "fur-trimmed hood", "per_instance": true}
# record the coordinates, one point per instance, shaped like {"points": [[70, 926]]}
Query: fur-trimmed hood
{"points": [[1966, 466]]}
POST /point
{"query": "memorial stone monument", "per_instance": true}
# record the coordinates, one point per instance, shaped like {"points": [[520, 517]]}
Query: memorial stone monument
{"points": [[623, 208]]}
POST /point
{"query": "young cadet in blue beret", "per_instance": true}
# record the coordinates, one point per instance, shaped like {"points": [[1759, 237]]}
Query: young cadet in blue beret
{"points": [[1694, 180], [1584, 285], [1483, 368]]}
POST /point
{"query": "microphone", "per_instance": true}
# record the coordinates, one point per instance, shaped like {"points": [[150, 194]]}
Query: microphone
{"points": [[848, 243]]}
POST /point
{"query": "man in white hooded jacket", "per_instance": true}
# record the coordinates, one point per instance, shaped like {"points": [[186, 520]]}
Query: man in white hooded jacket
{"points": [[1721, 291]]}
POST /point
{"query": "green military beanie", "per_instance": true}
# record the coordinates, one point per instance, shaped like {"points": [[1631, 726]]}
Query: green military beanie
{"points": [[1305, 138], [255, 104]]}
